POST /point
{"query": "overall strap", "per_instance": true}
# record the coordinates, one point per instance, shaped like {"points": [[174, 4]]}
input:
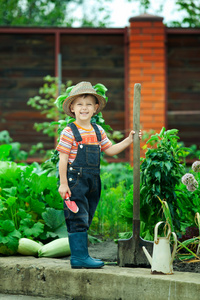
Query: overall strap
{"points": [[98, 133], [75, 131]]}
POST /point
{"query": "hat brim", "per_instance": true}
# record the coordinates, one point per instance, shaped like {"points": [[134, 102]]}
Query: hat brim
{"points": [[68, 101]]}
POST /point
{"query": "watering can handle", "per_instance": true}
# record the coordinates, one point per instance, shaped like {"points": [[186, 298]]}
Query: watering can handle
{"points": [[156, 230], [174, 247]]}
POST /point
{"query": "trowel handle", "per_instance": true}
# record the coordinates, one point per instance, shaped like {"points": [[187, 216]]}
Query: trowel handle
{"points": [[174, 246]]}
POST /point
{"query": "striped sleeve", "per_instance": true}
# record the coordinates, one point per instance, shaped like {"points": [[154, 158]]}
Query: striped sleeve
{"points": [[66, 141], [105, 142]]}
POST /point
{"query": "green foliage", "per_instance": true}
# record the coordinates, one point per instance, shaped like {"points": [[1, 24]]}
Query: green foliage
{"points": [[194, 152], [127, 207], [189, 204], [146, 214], [192, 10], [28, 200], [34, 13], [97, 14], [118, 172], [144, 5], [53, 13], [189, 245], [10, 150], [44, 102], [161, 171], [188, 199], [106, 221]]}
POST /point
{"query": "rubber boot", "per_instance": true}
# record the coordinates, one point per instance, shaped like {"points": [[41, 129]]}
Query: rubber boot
{"points": [[97, 259], [79, 252]]}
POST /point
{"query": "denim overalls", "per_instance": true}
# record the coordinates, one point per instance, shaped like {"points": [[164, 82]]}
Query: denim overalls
{"points": [[84, 182]]}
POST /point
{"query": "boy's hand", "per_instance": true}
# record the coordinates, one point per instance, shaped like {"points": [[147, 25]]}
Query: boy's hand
{"points": [[140, 134], [63, 189], [131, 134]]}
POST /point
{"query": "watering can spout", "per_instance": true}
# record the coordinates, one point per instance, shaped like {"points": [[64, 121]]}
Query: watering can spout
{"points": [[147, 255]]}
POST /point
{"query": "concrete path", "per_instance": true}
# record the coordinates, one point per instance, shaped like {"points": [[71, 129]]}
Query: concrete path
{"points": [[54, 279], [22, 297]]}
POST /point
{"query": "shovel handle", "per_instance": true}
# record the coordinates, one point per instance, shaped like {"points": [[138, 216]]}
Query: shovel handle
{"points": [[136, 153]]}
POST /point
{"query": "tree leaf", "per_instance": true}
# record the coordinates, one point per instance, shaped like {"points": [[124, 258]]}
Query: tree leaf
{"points": [[168, 165], [153, 138], [162, 132]]}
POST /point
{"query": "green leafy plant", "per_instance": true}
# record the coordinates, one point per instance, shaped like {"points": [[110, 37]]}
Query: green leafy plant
{"points": [[188, 200], [189, 248], [106, 220], [126, 215], [44, 102], [188, 197], [30, 205], [10, 150], [194, 152], [161, 171], [187, 245]]}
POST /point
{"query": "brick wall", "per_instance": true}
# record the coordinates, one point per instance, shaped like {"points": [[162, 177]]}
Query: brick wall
{"points": [[147, 66]]}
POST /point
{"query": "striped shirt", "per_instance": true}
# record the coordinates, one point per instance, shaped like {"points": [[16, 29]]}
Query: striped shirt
{"points": [[68, 144]]}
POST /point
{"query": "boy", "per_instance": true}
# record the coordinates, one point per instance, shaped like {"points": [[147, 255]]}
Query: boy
{"points": [[79, 167]]}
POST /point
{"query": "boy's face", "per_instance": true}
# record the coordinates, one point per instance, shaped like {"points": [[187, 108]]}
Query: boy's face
{"points": [[84, 107]]}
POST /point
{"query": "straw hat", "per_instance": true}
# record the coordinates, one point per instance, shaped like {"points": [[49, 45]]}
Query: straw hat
{"points": [[81, 89]]}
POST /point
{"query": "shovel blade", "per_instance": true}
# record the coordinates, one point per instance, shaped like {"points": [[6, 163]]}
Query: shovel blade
{"points": [[130, 253]]}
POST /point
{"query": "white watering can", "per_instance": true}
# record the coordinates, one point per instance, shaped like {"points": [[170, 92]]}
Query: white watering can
{"points": [[162, 259]]}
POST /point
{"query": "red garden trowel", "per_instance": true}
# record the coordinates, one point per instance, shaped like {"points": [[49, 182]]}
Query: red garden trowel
{"points": [[71, 204], [130, 251]]}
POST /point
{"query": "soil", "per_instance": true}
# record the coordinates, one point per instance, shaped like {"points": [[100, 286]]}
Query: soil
{"points": [[107, 251]]}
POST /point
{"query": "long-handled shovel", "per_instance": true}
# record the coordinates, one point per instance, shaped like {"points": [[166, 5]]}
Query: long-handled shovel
{"points": [[130, 252]]}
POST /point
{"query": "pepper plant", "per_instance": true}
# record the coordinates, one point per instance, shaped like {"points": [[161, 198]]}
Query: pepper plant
{"points": [[161, 171]]}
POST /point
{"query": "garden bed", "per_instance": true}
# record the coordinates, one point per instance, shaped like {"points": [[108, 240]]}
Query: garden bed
{"points": [[107, 251]]}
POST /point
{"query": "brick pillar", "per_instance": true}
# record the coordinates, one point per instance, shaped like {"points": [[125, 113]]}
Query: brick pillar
{"points": [[147, 66]]}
